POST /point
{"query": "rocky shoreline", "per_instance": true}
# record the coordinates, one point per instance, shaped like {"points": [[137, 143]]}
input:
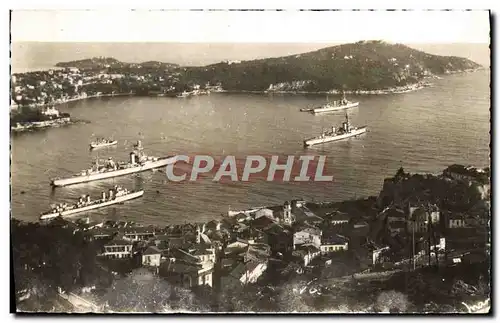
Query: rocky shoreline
{"points": [[394, 90]]}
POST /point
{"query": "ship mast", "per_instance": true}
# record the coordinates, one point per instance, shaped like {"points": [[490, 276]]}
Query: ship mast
{"points": [[347, 124], [138, 147]]}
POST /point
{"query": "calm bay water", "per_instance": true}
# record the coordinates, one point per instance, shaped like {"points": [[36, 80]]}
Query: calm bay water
{"points": [[422, 131]]}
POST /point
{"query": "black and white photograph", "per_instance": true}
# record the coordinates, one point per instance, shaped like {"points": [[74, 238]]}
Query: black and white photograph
{"points": [[250, 161]]}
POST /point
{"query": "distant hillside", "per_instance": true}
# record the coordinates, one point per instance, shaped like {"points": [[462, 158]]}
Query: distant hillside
{"points": [[365, 65], [108, 62], [361, 66]]}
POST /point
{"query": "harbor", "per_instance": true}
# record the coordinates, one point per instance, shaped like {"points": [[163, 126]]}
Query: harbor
{"points": [[167, 130], [171, 163]]}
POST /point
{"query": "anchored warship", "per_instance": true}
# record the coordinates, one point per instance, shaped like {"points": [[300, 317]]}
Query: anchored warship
{"points": [[345, 131]]}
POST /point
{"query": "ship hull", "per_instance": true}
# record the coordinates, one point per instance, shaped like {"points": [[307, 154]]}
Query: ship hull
{"points": [[95, 146], [120, 172], [318, 141], [119, 199], [332, 109]]}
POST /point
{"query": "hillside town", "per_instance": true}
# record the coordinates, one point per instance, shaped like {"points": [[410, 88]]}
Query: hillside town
{"points": [[56, 86], [417, 222]]}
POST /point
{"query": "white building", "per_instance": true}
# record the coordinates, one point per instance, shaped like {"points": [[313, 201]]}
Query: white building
{"points": [[307, 235], [241, 274], [333, 243], [151, 257], [456, 221], [264, 212], [419, 218], [118, 249], [307, 253], [187, 273]]}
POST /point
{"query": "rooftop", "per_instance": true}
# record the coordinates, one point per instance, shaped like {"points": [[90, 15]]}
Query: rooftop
{"points": [[333, 239], [179, 266], [261, 222], [395, 213], [119, 242], [309, 229], [237, 271], [337, 216], [152, 250], [140, 230]]}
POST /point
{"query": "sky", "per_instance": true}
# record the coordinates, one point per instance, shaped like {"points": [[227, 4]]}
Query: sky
{"points": [[250, 27]]}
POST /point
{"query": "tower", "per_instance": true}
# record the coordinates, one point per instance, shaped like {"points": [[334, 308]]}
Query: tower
{"points": [[198, 234], [287, 213]]}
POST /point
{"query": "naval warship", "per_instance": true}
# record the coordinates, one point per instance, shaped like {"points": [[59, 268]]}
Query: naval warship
{"points": [[337, 105], [116, 195], [332, 106], [344, 132], [138, 162]]}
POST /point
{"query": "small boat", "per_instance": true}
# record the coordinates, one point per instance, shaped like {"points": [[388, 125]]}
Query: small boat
{"points": [[101, 142], [184, 94]]}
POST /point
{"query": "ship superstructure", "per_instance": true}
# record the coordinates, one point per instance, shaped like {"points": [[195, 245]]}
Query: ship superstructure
{"points": [[345, 131], [138, 162], [115, 195]]}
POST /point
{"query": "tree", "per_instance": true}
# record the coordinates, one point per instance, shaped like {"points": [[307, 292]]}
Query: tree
{"points": [[46, 257], [143, 291]]}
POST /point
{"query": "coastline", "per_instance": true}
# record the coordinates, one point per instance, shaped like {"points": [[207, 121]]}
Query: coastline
{"points": [[59, 102], [393, 90], [397, 90]]}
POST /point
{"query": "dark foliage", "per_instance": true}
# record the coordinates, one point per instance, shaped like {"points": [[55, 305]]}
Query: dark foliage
{"points": [[358, 66], [26, 114], [46, 257]]}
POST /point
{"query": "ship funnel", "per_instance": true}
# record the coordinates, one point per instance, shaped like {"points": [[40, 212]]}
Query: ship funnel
{"points": [[132, 158], [111, 193], [88, 198], [103, 195]]}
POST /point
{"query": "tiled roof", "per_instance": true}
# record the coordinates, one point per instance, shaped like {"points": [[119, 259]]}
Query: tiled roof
{"points": [[309, 230], [119, 242], [262, 222], [237, 271], [139, 230], [152, 250], [332, 239], [179, 266], [308, 247]]}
